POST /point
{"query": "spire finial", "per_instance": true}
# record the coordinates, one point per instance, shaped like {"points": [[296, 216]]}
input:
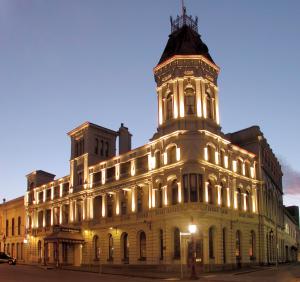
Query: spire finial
{"points": [[183, 8], [183, 20]]}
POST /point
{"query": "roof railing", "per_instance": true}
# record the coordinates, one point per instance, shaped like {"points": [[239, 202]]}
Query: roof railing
{"points": [[184, 20]]}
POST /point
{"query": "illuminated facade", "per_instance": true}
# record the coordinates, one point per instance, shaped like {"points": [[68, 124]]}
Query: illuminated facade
{"points": [[134, 208], [12, 228]]}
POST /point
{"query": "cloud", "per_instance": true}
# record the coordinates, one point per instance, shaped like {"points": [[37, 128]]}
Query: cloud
{"points": [[291, 179]]}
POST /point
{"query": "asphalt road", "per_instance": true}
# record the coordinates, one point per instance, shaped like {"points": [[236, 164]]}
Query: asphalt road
{"points": [[22, 273]]}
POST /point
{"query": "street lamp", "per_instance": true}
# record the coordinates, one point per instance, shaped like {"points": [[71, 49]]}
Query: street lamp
{"points": [[193, 230]]}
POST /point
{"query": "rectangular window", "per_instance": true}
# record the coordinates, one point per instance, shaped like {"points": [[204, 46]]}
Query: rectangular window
{"points": [[40, 197], [193, 188], [185, 188], [79, 178], [200, 187], [66, 210], [48, 217], [48, 195], [13, 227]]}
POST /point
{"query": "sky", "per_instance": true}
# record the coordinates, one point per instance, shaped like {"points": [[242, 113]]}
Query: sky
{"points": [[64, 62]]}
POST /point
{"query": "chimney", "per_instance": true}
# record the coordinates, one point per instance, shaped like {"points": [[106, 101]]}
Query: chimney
{"points": [[124, 140]]}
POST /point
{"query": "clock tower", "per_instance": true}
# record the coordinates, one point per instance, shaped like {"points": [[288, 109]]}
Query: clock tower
{"points": [[186, 78]]}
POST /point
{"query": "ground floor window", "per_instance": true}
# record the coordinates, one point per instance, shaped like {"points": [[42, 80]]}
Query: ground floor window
{"points": [[110, 247], [176, 243], [142, 241]]}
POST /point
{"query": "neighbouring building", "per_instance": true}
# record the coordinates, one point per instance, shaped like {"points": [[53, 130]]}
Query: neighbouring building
{"points": [[12, 228], [133, 209]]}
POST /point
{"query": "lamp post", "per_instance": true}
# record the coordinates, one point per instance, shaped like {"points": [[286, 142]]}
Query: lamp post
{"points": [[193, 230]]}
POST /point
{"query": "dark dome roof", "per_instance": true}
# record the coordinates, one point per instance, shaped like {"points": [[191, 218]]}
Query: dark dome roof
{"points": [[185, 41]]}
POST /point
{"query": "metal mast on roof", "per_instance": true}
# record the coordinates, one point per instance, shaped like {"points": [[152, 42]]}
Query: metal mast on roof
{"points": [[184, 20]]}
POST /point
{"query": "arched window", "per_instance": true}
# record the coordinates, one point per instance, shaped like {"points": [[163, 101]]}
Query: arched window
{"points": [[124, 201], [169, 106], [18, 251], [224, 244], [210, 193], [247, 201], [161, 244], [142, 242], [22, 250], [222, 158], [171, 155], [239, 199], [159, 196], [109, 205], [139, 199], [19, 225], [176, 243], [252, 248], [247, 169], [174, 188], [13, 249], [157, 159], [238, 244], [39, 250], [211, 238], [223, 195], [240, 166], [211, 153], [193, 187], [125, 247], [110, 248], [96, 247], [209, 105], [190, 100]]}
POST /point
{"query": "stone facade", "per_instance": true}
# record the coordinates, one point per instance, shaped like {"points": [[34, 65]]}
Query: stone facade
{"points": [[12, 228], [133, 210]]}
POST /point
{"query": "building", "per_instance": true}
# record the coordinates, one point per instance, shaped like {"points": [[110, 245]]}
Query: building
{"points": [[291, 238], [133, 209], [12, 228]]}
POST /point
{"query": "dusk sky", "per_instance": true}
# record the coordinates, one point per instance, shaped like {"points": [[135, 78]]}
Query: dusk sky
{"points": [[64, 62]]}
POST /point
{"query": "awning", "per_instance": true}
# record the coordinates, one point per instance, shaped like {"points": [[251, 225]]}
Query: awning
{"points": [[65, 237]]}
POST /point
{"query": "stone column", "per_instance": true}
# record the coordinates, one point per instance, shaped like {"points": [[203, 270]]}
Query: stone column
{"points": [[52, 216], [203, 98], [91, 207], [175, 95], [133, 199], [217, 104], [103, 212], [84, 213], [150, 194], [165, 195], [160, 112], [60, 214], [198, 97], [181, 97], [117, 201]]}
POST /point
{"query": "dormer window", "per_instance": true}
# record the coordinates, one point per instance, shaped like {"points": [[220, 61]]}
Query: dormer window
{"points": [[190, 100]]}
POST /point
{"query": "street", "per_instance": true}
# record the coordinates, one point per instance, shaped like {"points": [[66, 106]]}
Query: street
{"points": [[24, 273]]}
